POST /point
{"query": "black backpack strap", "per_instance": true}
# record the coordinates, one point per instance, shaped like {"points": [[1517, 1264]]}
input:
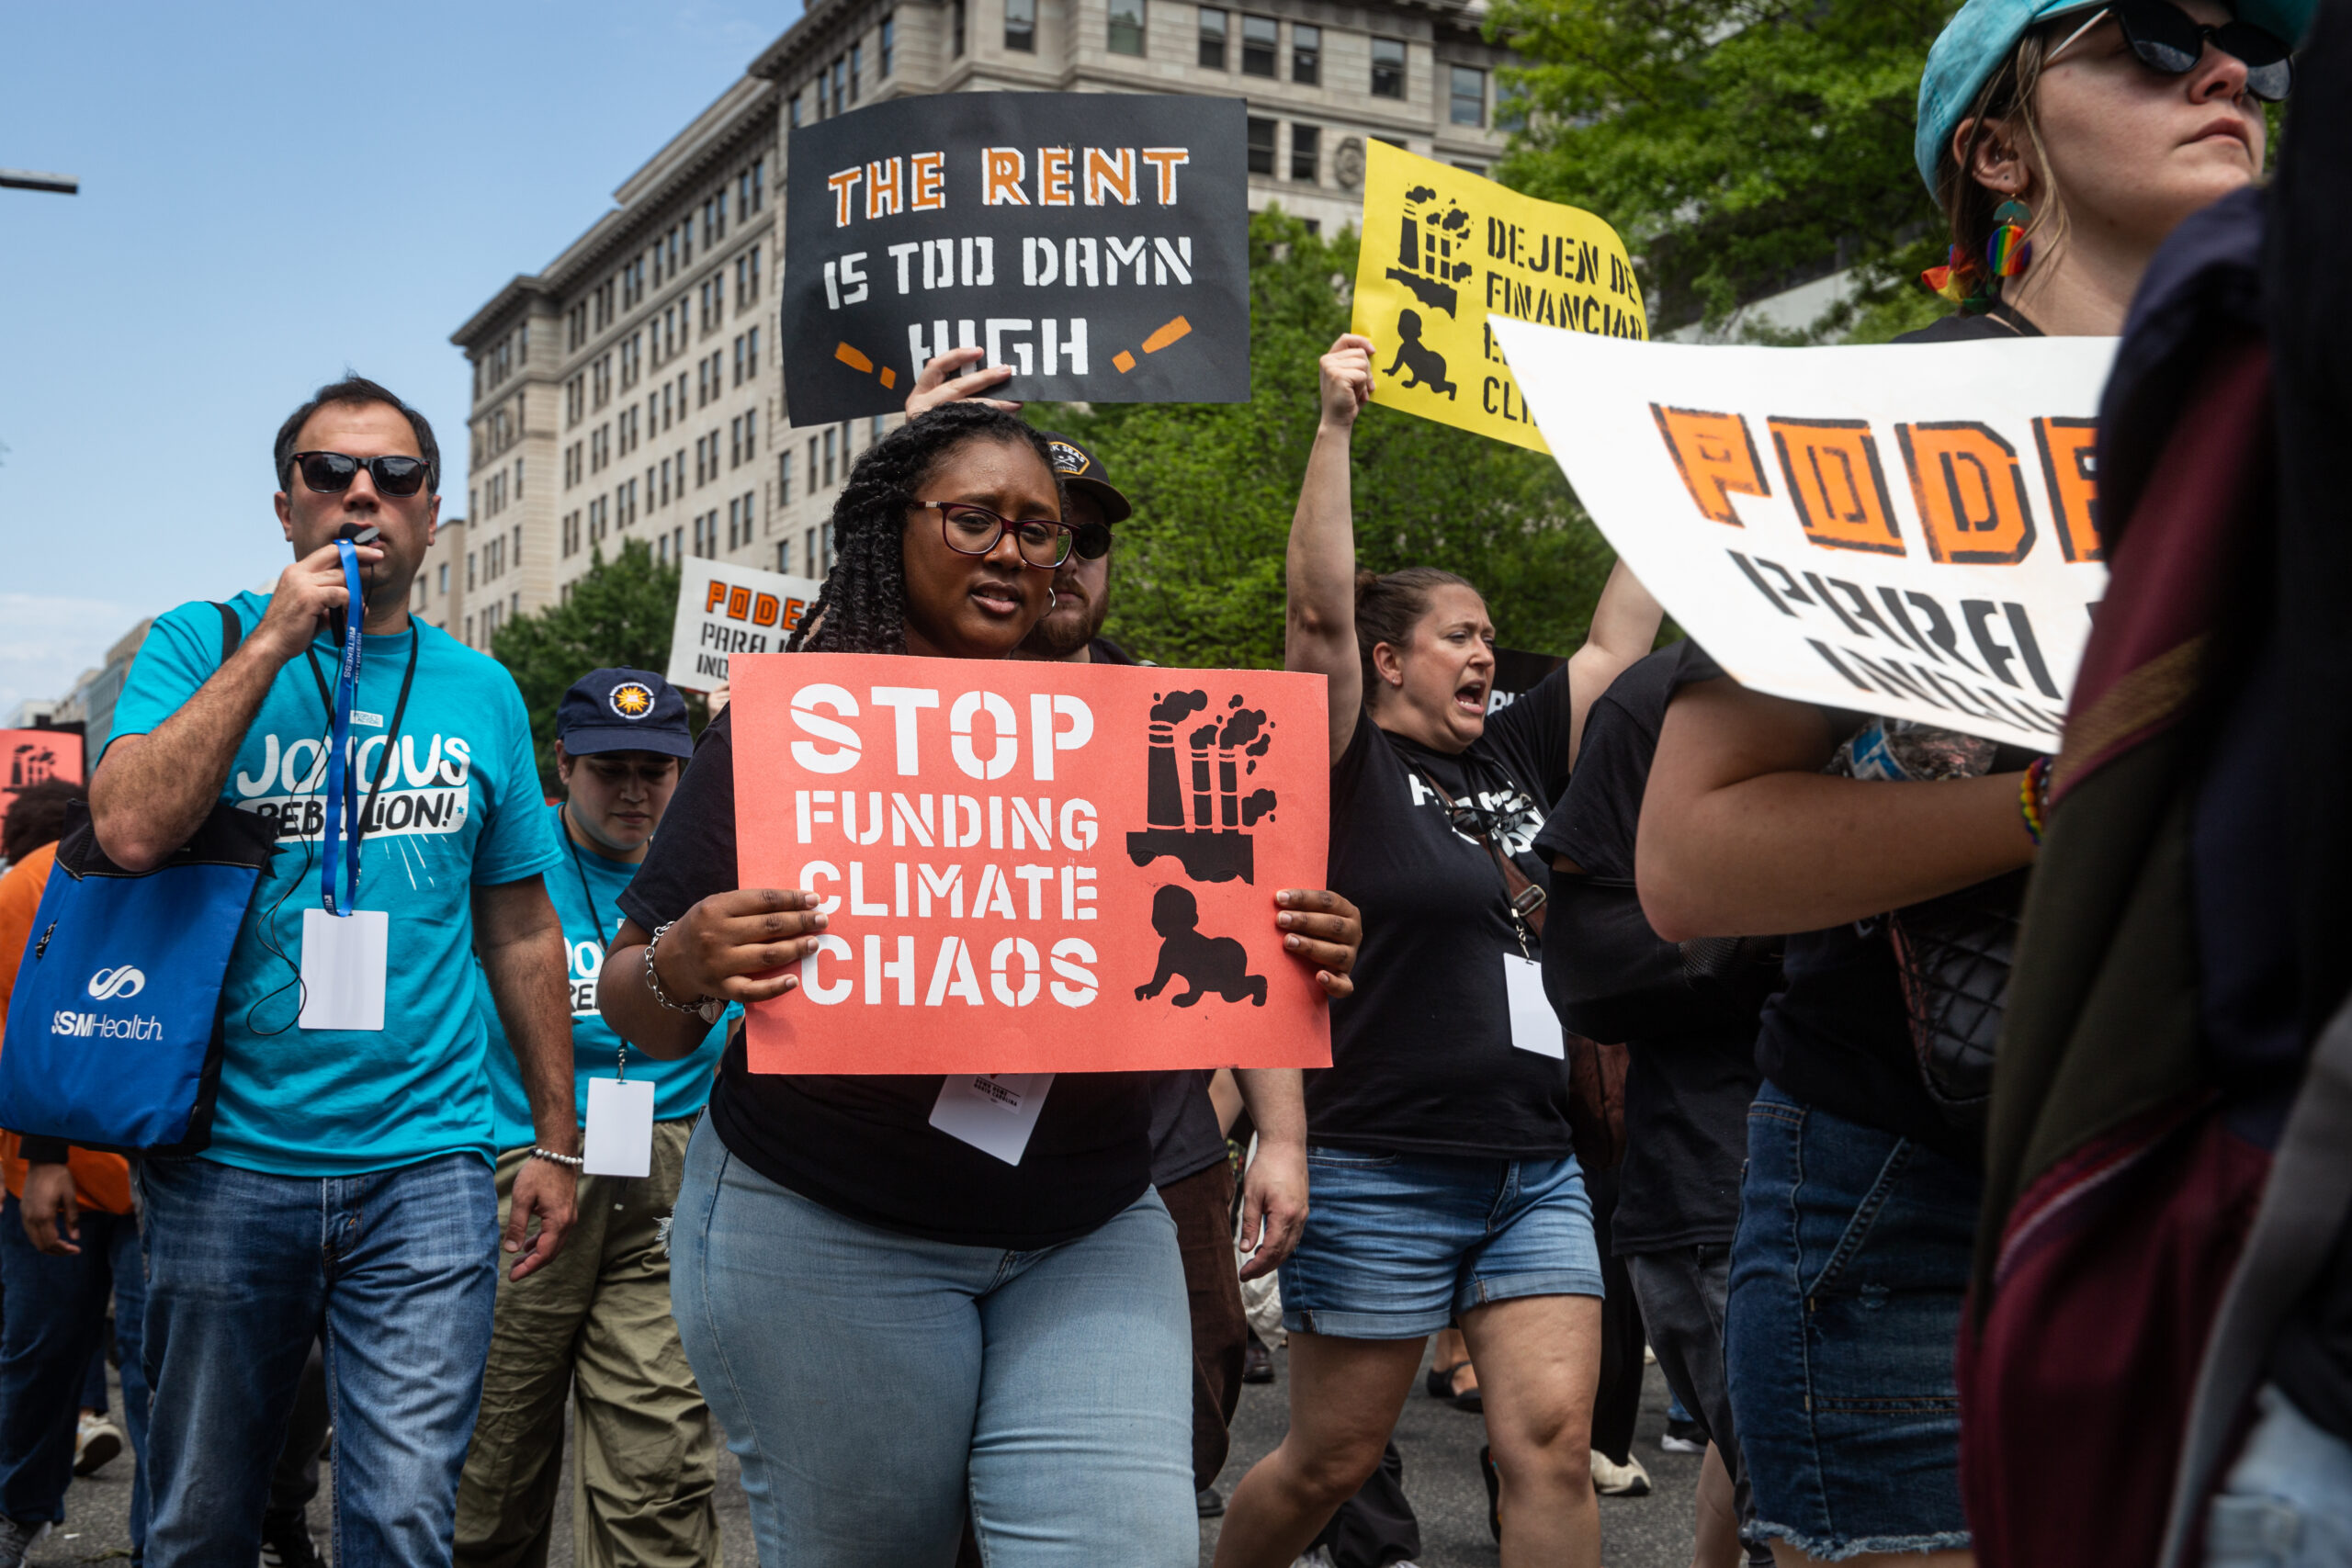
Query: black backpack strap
{"points": [[232, 630]]}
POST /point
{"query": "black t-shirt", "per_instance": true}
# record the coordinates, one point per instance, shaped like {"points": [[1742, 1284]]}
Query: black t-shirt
{"points": [[1686, 1094], [1186, 1138], [1421, 1058], [863, 1146], [1836, 1036], [1839, 1037]]}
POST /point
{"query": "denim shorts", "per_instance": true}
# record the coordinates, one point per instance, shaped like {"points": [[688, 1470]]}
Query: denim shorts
{"points": [[1839, 1336], [1397, 1244]]}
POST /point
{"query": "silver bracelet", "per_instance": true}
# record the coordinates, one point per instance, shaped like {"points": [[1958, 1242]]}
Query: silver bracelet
{"points": [[574, 1161], [707, 1009]]}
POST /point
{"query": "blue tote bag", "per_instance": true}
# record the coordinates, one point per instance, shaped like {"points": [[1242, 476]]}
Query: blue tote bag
{"points": [[114, 1032]]}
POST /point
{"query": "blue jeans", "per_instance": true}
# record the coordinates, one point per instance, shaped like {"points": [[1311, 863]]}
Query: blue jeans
{"points": [[244, 1271], [1840, 1331], [876, 1384], [2287, 1503], [56, 1318]]}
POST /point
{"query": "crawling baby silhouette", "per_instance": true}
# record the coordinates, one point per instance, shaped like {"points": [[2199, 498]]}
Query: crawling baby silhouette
{"points": [[1215, 964]]}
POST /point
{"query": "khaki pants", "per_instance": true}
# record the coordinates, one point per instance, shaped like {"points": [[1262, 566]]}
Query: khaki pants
{"points": [[594, 1322]]}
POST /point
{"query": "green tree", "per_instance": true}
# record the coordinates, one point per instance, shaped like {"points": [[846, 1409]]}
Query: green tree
{"points": [[1199, 569], [619, 613], [1736, 144]]}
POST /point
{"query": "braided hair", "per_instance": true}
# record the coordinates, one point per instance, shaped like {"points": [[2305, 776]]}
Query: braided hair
{"points": [[864, 607]]}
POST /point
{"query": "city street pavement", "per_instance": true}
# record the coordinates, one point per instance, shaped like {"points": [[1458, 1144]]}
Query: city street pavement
{"points": [[1439, 1442]]}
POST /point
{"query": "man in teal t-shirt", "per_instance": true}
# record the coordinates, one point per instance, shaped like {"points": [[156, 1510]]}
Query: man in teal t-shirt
{"points": [[347, 1189], [598, 1323]]}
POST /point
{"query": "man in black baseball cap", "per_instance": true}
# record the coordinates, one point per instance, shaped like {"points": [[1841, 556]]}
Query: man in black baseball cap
{"points": [[648, 1458]]}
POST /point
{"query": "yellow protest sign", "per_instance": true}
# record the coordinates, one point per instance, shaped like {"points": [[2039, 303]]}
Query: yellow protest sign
{"points": [[1443, 249]]}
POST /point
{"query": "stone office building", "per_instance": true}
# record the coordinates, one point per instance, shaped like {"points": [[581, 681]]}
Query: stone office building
{"points": [[630, 390]]}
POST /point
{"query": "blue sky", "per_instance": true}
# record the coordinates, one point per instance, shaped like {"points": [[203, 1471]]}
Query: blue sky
{"points": [[270, 192]]}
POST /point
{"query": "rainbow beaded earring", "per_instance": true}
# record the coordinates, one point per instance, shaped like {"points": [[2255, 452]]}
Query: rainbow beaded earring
{"points": [[2007, 251]]}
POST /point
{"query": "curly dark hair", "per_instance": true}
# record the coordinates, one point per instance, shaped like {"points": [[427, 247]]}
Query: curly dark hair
{"points": [[864, 607], [37, 816]]}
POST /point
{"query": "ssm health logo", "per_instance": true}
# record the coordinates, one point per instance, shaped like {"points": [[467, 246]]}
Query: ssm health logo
{"points": [[108, 984]]}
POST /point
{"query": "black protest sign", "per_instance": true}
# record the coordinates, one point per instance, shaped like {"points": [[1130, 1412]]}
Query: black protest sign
{"points": [[1096, 242]]}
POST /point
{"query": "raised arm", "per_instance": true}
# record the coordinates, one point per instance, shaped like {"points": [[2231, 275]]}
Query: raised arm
{"points": [[1320, 634], [1742, 834], [152, 790], [1624, 626]]}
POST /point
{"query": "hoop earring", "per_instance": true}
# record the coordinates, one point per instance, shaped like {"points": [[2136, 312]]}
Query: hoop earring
{"points": [[1053, 601], [2007, 251]]}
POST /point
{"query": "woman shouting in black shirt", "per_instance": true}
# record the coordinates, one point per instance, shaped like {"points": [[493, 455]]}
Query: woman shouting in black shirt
{"points": [[892, 1325], [1442, 1179]]}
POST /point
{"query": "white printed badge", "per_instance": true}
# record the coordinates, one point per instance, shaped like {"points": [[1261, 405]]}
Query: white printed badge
{"points": [[620, 1128], [994, 1113], [343, 969], [1533, 1025]]}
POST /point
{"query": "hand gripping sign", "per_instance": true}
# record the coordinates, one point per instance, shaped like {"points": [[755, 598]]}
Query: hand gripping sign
{"points": [[1031, 867], [1444, 250], [1908, 529], [724, 610], [1097, 243]]}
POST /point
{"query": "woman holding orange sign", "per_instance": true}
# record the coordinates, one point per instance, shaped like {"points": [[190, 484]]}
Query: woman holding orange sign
{"points": [[893, 1326]]}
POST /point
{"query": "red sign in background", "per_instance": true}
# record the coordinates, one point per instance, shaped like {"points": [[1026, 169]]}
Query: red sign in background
{"points": [[1034, 867], [28, 757]]}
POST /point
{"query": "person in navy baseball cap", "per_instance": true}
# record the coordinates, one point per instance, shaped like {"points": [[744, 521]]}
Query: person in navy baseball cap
{"points": [[621, 737], [623, 710]]}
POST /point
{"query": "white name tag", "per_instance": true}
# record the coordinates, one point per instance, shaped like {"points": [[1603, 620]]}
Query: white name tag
{"points": [[620, 1128], [343, 969], [373, 720], [1533, 1025], [994, 1113]]}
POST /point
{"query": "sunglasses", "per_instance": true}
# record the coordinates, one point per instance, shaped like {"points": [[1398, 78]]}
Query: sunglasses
{"points": [[2166, 38], [331, 473], [974, 531], [1093, 540]]}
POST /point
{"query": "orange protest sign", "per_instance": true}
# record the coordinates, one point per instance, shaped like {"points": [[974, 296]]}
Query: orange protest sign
{"points": [[1033, 868]]}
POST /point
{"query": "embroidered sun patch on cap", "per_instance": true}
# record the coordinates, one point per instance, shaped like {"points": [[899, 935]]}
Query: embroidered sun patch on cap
{"points": [[632, 699]]}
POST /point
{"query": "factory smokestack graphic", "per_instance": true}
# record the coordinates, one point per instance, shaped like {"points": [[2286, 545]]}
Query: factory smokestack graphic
{"points": [[1211, 842]]}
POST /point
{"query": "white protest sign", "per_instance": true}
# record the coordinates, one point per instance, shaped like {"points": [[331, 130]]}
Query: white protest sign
{"points": [[1904, 529], [726, 609]]}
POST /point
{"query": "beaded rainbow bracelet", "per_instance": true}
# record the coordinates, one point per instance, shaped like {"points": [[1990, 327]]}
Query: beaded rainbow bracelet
{"points": [[2033, 799]]}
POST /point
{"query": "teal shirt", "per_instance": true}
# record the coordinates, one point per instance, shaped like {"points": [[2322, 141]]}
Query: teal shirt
{"points": [[460, 807], [587, 898]]}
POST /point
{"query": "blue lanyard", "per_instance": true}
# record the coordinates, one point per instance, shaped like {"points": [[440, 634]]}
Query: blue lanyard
{"points": [[343, 784]]}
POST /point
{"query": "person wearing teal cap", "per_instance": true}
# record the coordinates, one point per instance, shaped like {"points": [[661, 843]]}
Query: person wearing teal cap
{"points": [[2066, 141]]}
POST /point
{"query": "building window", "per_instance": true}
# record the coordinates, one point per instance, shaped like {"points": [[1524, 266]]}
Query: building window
{"points": [[1468, 94], [956, 31], [830, 436], [783, 480], [1260, 39], [1306, 54], [856, 68], [751, 353], [1126, 27], [1478, 169], [793, 109], [1211, 39], [443, 577], [841, 83], [889, 43], [784, 557], [1306, 152], [1388, 68], [1261, 146], [1021, 26]]}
